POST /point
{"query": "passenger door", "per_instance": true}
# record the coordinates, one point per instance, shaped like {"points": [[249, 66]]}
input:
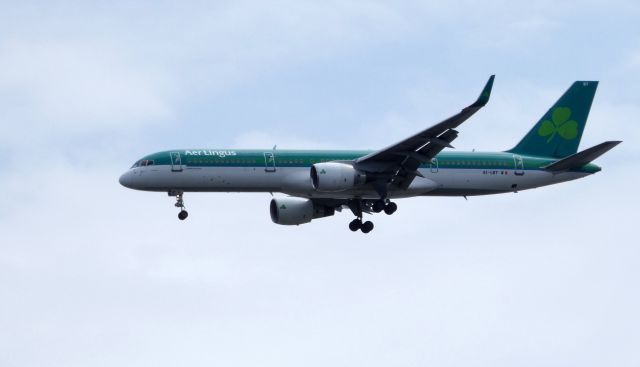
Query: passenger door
{"points": [[176, 162], [269, 162], [434, 165], [519, 165]]}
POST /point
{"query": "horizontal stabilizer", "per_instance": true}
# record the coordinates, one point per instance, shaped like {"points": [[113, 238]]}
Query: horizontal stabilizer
{"points": [[580, 159]]}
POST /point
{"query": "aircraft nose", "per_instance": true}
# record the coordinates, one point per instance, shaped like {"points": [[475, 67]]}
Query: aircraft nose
{"points": [[126, 180]]}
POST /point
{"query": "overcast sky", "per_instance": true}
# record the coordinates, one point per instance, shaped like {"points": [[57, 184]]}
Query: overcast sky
{"points": [[93, 274]]}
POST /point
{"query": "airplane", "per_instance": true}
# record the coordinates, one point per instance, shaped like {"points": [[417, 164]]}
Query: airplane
{"points": [[320, 182]]}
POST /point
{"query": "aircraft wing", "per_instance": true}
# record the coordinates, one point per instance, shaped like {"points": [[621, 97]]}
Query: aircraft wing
{"points": [[403, 158]]}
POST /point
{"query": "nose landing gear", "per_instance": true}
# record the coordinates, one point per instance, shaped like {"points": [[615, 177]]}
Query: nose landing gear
{"points": [[180, 204]]}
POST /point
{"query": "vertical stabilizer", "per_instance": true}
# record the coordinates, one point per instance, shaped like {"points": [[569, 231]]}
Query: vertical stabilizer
{"points": [[559, 131]]}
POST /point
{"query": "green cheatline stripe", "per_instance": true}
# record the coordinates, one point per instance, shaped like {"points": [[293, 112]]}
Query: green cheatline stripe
{"points": [[304, 158]]}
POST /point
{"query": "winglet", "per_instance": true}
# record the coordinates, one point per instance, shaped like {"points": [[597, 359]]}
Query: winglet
{"points": [[486, 93]]}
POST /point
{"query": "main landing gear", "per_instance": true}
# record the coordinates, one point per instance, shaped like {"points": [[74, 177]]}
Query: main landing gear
{"points": [[360, 206], [357, 224], [388, 207], [180, 204]]}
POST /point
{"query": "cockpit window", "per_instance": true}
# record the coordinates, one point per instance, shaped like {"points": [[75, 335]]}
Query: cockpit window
{"points": [[142, 163]]}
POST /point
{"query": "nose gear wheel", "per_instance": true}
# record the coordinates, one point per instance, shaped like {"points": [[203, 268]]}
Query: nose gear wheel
{"points": [[180, 204]]}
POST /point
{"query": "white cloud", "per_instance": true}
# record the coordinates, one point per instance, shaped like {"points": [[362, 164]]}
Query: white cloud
{"points": [[63, 88], [95, 274]]}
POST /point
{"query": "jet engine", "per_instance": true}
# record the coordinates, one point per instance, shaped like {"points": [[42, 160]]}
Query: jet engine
{"points": [[334, 176], [294, 211]]}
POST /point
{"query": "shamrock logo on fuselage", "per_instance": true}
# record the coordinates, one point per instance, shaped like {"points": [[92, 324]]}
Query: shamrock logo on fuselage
{"points": [[559, 124]]}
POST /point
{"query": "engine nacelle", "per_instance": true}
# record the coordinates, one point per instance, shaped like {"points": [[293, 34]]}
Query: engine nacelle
{"points": [[334, 176], [294, 211]]}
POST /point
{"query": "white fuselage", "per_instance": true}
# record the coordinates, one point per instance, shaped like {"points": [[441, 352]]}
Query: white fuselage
{"points": [[296, 181]]}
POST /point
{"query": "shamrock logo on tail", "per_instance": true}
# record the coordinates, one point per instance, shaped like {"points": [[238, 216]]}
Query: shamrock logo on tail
{"points": [[559, 124]]}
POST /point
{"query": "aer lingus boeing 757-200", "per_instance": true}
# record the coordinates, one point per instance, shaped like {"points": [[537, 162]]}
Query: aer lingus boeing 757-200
{"points": [[320, 182]]}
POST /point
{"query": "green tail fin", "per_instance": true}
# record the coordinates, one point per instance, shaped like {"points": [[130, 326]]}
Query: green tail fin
{"points": [[559, 131]]}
